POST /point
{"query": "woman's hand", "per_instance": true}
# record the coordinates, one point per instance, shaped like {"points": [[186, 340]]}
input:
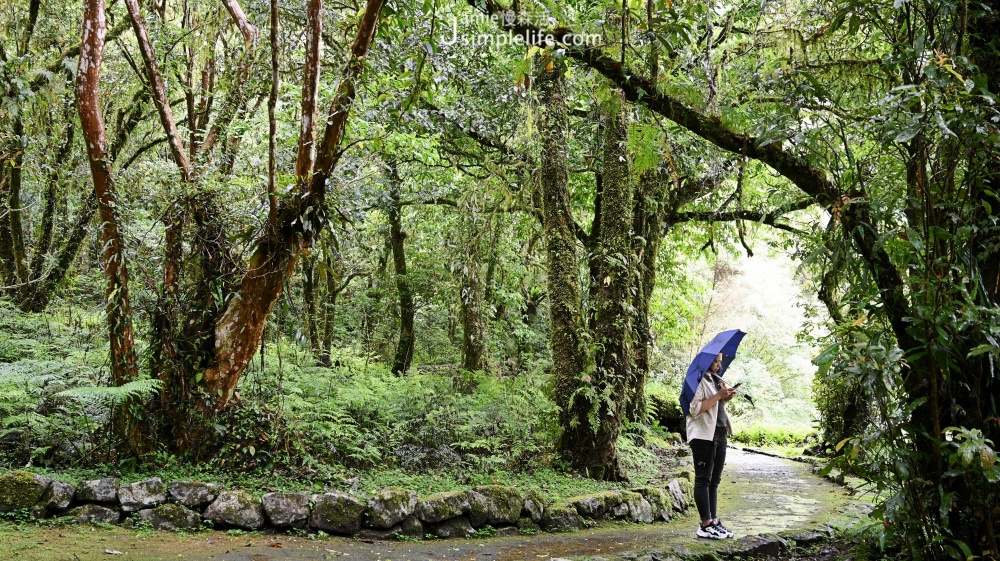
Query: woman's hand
{"points": [[727, 393]]}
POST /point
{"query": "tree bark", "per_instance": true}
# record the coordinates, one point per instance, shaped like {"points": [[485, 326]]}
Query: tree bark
{"points": [[614, 316], [309, 302], [649, 209], [12, 253], [566, 324], [471, 312], [404, 346], [310, 92], [159, 90], [119, 311]]}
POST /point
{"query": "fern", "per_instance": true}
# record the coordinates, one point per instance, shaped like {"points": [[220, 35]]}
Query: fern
{"points": [[41, 373], [113, 395]]}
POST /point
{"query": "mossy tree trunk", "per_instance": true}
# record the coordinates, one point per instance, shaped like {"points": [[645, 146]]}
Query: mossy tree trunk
{"points": [[614, 307], [404, 345], [566, 324], [471, 312], [649, 208]]}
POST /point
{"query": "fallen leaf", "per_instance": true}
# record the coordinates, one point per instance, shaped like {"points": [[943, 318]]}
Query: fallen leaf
{"points": [[276, 544]]}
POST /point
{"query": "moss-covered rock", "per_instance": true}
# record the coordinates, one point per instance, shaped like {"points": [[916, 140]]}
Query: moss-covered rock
{"points": [[442, 506], [171, 516], [659, 502], [612, 504], [287, 510], [681, 494], [496, 505], [389, 507], [534, 505], [236, 509], [337, 512], [91, 513], [526, 524], [21, 489], [561, 516], [458, 527], [412, 527]]}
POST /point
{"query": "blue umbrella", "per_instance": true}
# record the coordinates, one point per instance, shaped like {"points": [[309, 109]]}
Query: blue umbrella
{"points": [[726, 343]]}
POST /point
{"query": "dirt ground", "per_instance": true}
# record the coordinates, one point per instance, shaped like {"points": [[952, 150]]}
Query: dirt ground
{"points": [[759, 495]]}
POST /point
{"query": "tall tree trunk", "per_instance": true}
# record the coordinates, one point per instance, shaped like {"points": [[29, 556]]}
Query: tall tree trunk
{"points": [[11, 230], [473, 329], [119, 311], [309, 303], [566, 324], [404, 346], [613, 308], [650, 206]]}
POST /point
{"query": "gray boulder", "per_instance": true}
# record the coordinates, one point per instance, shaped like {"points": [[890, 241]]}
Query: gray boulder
{"points": [[443, 506], [98, 491], [412, 527], [337, 512], [142, 495], [659, 502], [639, 509], [680, 491], [458, 527], [58, 496], [192, 494], [389, 507], [91, 513], [171, 516], [534, 505], [496, 505], [21, 489], [236, 509], [287, 510]]}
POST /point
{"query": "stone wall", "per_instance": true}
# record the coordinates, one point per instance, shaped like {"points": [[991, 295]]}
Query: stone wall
{"points": [[386, 514]]}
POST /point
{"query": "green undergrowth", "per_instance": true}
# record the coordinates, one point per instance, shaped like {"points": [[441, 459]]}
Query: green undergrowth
{"points": [[296, 426]]}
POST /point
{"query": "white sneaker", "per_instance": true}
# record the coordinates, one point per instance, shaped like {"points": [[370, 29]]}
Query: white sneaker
{"points": [[709, 532], [722, 530]]}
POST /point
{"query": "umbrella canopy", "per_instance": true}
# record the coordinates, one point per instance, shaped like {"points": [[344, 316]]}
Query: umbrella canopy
{"points": [[726, 343]]}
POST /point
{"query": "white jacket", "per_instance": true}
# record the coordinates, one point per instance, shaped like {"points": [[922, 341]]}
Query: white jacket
{"points": [[701, 424]]}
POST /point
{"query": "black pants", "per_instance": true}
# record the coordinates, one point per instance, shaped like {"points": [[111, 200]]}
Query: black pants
{"points": [[709, 459]]}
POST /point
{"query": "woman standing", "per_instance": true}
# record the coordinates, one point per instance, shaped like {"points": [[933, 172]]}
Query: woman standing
{"points": [[708, 428]]}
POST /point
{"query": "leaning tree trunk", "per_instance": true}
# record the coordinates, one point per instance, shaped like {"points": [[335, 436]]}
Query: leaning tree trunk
{"points": [[404, 346], [614, 319], [239, 330]]}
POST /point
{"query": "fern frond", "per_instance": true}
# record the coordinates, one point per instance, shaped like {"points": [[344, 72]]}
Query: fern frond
{"points": [[114, 395]]}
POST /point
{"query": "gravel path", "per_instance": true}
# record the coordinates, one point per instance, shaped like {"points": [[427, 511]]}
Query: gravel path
{"points": [[760, 494]]}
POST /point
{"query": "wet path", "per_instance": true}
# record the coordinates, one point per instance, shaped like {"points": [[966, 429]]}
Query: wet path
{"points": [[759, 494]]}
